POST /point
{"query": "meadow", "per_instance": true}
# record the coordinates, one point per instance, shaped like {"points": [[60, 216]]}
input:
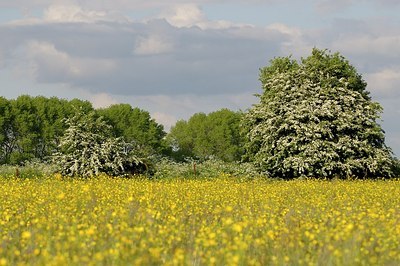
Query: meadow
{"points": [[220, 221]]}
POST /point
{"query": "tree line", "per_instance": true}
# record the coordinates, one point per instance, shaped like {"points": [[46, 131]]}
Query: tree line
{"points": [[31, 128], [314, 118]]}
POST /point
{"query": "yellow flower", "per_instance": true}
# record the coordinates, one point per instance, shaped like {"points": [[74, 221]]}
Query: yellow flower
{"points": [[155, 252], [228, 208], [26, 235], [271, 234], [237, 228]]}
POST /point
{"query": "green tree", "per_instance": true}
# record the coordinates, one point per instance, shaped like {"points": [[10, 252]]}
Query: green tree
{"points": [[6, 130], [26, 126], [315, 119], [136, 127], [215, 135], [31, 126], [185, 135], [50, 113]]}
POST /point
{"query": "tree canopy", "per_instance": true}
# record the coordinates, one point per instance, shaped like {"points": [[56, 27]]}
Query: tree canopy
{"points": [[315, 119], [136, 126], [31, 127], [215, 135]]}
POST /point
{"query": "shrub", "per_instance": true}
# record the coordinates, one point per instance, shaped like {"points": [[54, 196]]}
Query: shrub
{"points": [[315, 119], [88, 149]]}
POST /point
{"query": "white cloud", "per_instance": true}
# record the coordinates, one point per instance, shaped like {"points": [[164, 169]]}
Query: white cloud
{"points": [[72, 13], [185, 15], [75, 13], [46, 55], [291, 31], [295, 43], [165, 119], [141, 58], [385, 83], [102, 100], [129, 5], [50, 64], [189, 15], [121, 4], [153, 45]]}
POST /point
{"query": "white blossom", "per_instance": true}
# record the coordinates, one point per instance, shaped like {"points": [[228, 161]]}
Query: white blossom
{"points": [[316, 121]]}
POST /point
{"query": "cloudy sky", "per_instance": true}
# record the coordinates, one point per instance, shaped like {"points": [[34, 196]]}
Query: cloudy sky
{"points": [[175, 58]]}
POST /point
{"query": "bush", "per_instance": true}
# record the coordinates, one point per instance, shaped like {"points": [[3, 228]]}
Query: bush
{"points": [[89, 149]]}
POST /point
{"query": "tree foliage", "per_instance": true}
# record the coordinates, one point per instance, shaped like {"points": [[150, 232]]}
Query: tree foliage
{"points": [[136, 127], [215, 135], [88, 148], [316, 119], [30, 126], [6, 133]]}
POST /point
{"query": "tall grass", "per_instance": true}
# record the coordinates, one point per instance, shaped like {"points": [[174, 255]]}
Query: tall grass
{"points": [[28, 170]]}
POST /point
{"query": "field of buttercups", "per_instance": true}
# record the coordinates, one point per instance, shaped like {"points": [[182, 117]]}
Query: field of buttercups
{"points": [[223, 221]]}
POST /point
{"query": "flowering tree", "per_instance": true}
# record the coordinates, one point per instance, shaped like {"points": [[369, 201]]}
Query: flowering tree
{"points": [[316, 119], [88, 149]]}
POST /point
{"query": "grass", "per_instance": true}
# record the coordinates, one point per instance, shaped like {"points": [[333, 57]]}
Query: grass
{"points": [[223, 221]]}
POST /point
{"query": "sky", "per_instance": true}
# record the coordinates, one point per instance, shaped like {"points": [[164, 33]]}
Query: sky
{"points": [[176, 58]]}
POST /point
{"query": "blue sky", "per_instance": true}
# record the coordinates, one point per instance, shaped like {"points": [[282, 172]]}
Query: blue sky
{"points": [[178, 58]]}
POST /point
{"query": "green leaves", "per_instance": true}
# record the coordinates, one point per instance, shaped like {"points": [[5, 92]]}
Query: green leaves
{"points": [[216, 135], [315, 119], [135, 126], [30, 126]]}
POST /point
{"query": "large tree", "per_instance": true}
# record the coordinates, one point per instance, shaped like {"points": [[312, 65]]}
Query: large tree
{"points": [[315, 119], [31, 126], [215, 135], [6, 132], [136, 126]]}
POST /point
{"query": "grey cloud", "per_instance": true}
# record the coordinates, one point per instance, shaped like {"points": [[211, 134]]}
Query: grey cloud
{"points": [[119, 4], [104, 56], [321, 6], [370, 44], [158, 58]]}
